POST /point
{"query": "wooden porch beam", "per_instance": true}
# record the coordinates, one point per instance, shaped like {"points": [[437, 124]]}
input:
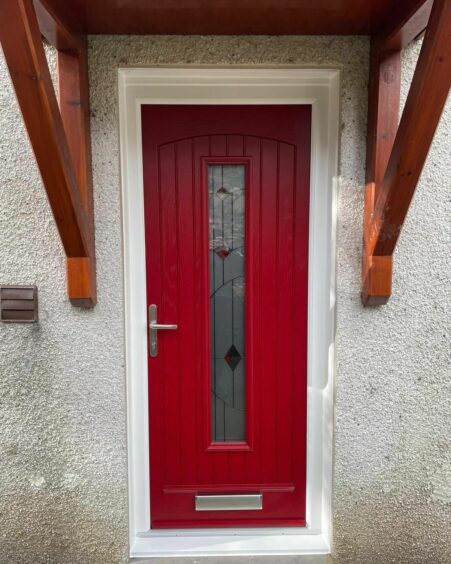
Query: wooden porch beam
{"points": [[383, 114], [61, 29], [391, 199], [424, 105], [73, 91], [24, 53], [410, 22], [71, 206]]}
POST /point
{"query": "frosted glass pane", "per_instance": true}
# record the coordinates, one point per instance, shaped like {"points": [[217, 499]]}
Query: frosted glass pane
{"points": [[226, 214]]}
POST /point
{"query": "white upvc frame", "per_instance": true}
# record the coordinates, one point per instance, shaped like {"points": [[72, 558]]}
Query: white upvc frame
{"points": [[237, 85]]}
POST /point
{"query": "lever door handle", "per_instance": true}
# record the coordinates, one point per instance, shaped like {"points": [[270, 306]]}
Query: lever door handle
{"points": [[154, 327], [161, 326]]}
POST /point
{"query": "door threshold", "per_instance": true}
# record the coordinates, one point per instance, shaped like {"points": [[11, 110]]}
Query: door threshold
{"points": [[230, 542]]}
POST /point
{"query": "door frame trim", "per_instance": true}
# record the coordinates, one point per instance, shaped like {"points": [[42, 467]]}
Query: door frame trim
{"points": [[234, 85]]}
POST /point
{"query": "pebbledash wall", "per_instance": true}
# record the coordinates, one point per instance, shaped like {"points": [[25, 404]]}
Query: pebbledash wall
{"points": [[63, 477]]}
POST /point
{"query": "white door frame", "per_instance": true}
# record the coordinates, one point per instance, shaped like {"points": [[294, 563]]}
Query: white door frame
{"points": [[236, 85]]}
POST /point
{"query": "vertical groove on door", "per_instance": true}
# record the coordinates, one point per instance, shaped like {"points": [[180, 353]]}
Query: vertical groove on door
{"points": [[260, 313], [167, 341], [269, 281], [293, 316], [285, 316], [201, 358], [178, 313], [279, 328], [195, 319], [186, 322], [160, 301]]}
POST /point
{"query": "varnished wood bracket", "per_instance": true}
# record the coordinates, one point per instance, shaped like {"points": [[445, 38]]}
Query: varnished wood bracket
{"points": [[59, 135], [408, 21], [74, 106], [391, 181], [59, 25], [383, 111]]}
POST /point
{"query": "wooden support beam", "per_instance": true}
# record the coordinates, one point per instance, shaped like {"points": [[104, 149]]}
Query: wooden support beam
{"points": [[424, 105], [24, 54], [392, 195], [408, 21], [63, 30], [73, 90], [60, 27], [383, 112]]}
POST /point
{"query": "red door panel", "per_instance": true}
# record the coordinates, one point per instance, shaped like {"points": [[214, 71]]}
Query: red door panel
{"points": [[264, 151]]}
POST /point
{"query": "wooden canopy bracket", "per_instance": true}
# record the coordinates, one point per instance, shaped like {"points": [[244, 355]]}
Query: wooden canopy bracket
{"points": [[59, 136], [396, 155]]}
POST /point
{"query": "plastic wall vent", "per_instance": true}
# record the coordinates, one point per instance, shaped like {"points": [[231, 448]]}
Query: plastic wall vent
{"points": [[18, 304]]}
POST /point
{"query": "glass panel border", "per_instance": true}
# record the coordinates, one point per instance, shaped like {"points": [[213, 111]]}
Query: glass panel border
{"points": [[209, 444], [227, 195]]}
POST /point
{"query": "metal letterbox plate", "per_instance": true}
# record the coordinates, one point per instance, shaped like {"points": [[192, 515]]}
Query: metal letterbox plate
{"points": [[229, 502]]}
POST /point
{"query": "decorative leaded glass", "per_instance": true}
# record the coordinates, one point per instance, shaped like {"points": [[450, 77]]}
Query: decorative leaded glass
{"points": [[226, 201]]}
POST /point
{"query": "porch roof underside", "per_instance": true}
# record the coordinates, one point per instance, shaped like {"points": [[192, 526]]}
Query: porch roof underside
{"points": [[307, 17]]}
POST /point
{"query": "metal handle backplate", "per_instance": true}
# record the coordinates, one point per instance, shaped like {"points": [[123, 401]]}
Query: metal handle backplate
{"points": [[154, 327]]}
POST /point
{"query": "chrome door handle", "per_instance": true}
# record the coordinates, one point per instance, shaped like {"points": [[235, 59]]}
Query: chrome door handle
{"points": [[161, 326], [154, 327]]}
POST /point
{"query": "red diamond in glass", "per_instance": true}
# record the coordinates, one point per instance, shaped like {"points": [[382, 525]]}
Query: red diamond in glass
{"points": [[232, 357], [222, 252], [222, 193]]}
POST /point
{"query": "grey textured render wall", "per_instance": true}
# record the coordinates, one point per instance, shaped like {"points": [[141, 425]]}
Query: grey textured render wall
{"points": [[62, 412]]}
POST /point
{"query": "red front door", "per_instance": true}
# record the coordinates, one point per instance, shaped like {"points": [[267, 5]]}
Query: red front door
{"points": [[226, 193]]}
